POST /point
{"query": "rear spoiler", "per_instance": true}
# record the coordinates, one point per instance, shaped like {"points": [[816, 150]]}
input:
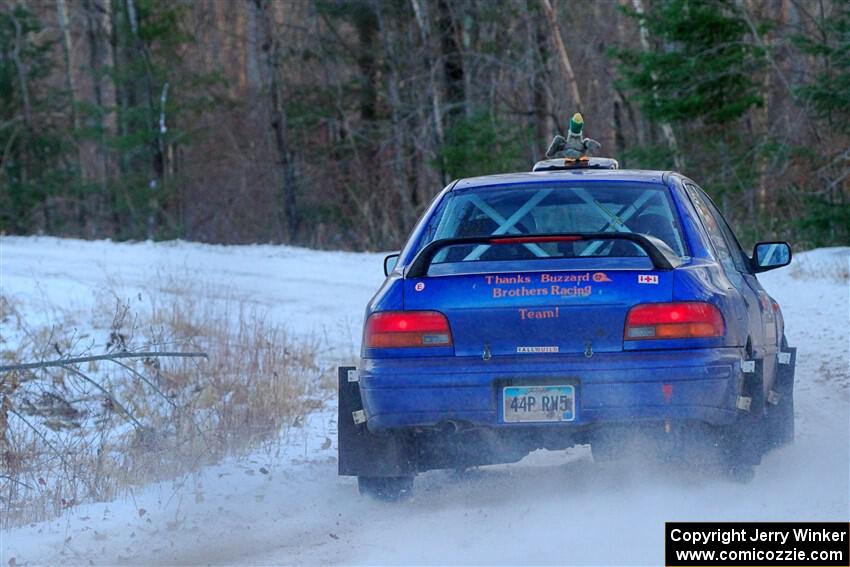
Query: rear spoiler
{"points": [[662, 256]]}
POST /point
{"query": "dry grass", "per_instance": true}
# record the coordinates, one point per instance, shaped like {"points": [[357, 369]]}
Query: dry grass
{"points": [[64, 441]]}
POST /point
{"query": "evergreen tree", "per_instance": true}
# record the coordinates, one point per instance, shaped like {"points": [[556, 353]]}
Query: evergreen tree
{"points": [[148, 37], [704, 67], [827, 218], [481, 145], [829, 91], [702, 76], [31, 142]]}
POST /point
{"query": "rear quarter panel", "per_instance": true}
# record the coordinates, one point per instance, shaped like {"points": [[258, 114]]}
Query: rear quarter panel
{"points": [[704, 278]]}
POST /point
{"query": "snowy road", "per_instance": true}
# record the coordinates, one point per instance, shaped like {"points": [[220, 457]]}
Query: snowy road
{"points": [[552, 508]]}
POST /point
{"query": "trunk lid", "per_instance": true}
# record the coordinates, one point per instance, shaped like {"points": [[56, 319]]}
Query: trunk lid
{"points": [[571, 309]]}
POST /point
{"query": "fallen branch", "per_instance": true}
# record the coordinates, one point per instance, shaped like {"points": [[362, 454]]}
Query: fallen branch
{"points": [[81, 359]]}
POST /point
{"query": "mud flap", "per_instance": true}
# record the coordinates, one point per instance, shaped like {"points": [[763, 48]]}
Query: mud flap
{"points": [[362, 453], [782, 413], [746, 440]]}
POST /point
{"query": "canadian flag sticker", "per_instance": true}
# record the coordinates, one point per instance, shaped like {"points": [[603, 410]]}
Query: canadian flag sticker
{"points": [[647, 279]]}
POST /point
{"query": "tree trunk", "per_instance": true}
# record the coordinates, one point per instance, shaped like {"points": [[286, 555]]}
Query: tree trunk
{"points": [[761, 115], [433, 90], [666, 128], [286, 200], [541, 101], [154, 136], [366, 25], [563, 57], [21, 71], [400, 177], [102, 96], [619, 138], [67, 50], [452, 57]]}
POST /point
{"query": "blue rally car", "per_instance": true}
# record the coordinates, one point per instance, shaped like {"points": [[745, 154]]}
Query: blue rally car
{"points": [[574, 304]]}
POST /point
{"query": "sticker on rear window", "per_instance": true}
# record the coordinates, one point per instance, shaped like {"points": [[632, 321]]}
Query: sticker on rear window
{"points": [[647, 279], [572, 284]]}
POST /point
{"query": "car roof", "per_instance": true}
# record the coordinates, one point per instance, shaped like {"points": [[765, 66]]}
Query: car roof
{"points": [[618, 175]]}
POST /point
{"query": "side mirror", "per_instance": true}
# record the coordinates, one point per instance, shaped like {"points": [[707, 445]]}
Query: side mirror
{"points": [[389, 263], [770, 255]]}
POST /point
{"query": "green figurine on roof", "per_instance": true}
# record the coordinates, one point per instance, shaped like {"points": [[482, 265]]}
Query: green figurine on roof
{"points": [[574, 146]]}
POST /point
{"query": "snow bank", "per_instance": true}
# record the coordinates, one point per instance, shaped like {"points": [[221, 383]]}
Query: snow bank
{"points": [[314, 293], [284, 504]]}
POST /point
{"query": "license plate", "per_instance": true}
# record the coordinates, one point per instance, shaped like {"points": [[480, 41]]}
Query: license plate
{"points": [[539, 403]]}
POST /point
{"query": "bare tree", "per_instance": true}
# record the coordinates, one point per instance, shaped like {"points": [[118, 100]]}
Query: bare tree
{"points": [[666, 127], [563, 57], [271, 47]]}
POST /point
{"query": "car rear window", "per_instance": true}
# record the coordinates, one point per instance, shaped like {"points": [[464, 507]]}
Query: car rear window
{"points": [[537, 209]]}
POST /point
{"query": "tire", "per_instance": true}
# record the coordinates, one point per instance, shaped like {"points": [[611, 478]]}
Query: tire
{"points": [[387, 488], [605, 452], [741, 474]]}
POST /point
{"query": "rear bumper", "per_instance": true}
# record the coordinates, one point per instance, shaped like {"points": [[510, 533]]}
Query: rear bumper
{"points": [[611, 388]]}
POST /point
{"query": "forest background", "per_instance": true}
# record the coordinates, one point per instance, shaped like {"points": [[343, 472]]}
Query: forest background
{"points": [[333, 123]]}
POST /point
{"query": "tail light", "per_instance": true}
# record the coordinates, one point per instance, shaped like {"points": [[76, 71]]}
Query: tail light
{"points": [[397, 329], [674, 321]]}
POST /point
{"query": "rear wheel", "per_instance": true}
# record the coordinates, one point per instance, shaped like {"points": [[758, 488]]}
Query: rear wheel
{"points": [[741, 473], [604, 452], [388, 488]]}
